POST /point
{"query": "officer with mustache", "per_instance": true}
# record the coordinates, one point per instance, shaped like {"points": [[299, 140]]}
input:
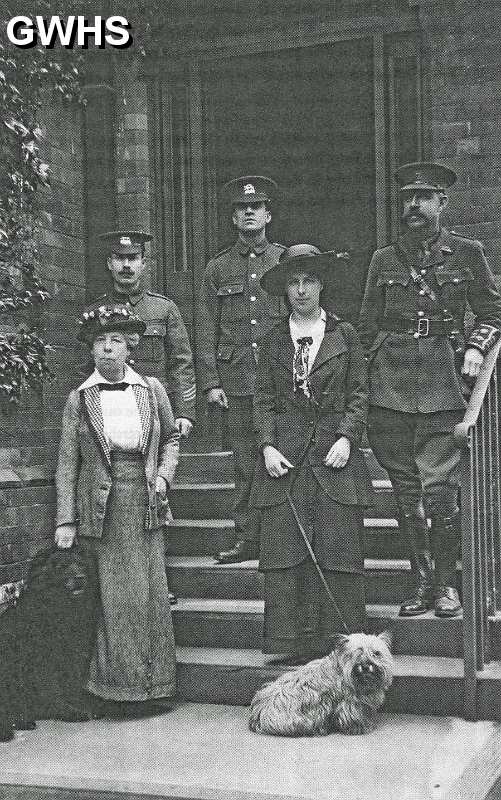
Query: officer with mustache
{"points": [[164, 351], [422, 363]]}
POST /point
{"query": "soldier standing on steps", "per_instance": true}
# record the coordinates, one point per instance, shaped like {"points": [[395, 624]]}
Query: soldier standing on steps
{"points": [[164, 351], [235, 314], [412, 326]]}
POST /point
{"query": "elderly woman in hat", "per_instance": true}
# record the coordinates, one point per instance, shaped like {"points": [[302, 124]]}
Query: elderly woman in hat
{"points": [[310, 410], [118, 453]]}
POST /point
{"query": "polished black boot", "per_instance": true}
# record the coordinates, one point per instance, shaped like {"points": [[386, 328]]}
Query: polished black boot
{"points": [[447, 537], [415, 530], [243, 550]]}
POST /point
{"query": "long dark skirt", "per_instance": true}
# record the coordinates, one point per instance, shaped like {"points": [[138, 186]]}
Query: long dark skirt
{"points": [[299, 616], [134, 655]]}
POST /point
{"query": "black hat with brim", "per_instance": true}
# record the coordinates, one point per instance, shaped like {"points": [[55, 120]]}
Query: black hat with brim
{"points": [[427, 175], [300, 258], [249, 189], [109, 318], [125, 243]]}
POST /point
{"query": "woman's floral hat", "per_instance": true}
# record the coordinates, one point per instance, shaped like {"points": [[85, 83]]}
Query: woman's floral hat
{"points": [[105, 318]]}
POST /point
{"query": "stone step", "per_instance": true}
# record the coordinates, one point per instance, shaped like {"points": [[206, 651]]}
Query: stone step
{"points": [[387, 580], [422, 684], [205, 467], [214, 500], [229, 623], [199, 537], [218, 466]]}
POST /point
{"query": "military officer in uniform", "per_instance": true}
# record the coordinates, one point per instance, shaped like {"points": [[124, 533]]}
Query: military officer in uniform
{"points": [[412, 324], [164, 351], [235, 314]]}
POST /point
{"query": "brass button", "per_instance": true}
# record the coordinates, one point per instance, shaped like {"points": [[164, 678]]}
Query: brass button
{"points": [[423, 272], [253, 321], [254, 345], [416, 335], [421, 292], [253, 276], [420, 313], [253, 298], [390, 282], [253, 255]]}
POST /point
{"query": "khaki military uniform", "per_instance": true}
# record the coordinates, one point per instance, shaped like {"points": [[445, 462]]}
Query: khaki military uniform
{"points": [[234, 316], [415, 346], [164, 351]]}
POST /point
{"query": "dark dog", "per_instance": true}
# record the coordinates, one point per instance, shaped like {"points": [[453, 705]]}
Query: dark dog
{"points": [[46, 641]]}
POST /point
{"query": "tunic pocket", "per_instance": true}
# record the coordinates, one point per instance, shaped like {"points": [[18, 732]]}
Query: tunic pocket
{"points": [[231, 299], [454, 284], [151, 345], [395, 287]]}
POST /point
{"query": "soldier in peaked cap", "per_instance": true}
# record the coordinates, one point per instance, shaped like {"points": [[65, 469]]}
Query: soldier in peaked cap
{"points": [[235, 313], [412, 324], [164, 351]]}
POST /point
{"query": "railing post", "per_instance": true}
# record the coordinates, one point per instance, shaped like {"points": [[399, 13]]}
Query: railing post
{"points": [[469, 599]]}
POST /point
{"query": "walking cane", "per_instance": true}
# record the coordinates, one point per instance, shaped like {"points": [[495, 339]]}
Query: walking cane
{"points": [[308, 544]]}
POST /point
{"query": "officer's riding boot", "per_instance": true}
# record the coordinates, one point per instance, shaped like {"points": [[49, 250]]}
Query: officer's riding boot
{"points": [[447, 540], [415, 530]]}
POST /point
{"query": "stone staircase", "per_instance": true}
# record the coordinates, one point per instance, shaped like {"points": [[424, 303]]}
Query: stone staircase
{"points": [[218, 620]]}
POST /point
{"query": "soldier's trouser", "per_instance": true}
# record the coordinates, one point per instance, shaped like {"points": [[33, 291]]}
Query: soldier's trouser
{"points": [[421, 457], [242, 442]]}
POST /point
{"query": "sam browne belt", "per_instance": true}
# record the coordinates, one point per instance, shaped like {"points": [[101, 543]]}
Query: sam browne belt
{"points": [[419, 327]]}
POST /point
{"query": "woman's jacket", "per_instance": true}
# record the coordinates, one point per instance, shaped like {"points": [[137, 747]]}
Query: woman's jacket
{"points": [[304, 430], [83, 477]]}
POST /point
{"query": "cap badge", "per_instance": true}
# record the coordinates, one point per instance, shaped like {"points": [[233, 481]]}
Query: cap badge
{"points": [[249, 189], [126, 241], [419, 177]]}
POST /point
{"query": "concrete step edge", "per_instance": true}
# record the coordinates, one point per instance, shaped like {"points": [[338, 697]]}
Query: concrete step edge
{"points": [[369, 523], [379, 486], [405, 665], [207, 563]]}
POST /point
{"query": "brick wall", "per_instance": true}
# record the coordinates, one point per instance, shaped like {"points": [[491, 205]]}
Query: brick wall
{"points": [[29, 437], [461, 48]]}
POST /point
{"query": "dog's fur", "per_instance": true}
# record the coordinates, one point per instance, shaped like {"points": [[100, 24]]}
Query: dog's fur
{"points": [[340, 692], [46, 640]]}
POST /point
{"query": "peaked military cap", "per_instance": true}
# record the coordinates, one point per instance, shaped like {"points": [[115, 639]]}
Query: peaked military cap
{"points": [[249, 189], [125, 242], [299, 258], [424, 175], [109, 317]]}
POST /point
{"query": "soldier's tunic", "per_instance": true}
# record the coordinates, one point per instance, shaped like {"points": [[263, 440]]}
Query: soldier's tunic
{"points": [[164, 350], [415, 345], [235, 314]]}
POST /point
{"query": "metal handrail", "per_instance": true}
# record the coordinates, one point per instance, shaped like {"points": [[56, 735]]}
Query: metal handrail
{"points": [[478, 438]]}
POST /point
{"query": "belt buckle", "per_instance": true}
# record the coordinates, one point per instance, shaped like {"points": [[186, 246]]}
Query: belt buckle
{"points": [[423, 326]]}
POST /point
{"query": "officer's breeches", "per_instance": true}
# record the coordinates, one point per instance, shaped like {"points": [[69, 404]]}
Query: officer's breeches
{"points": [[242, 442], [420, 455]]}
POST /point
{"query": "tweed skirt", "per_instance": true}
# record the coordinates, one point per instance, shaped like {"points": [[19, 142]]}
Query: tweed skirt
{"points": [[134, 654]]}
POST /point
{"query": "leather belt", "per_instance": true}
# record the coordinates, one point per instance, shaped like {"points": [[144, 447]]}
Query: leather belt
{"points": [[422, 326]]}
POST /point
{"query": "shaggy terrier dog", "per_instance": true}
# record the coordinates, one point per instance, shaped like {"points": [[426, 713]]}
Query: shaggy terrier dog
{"points": [[340, 692]]}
